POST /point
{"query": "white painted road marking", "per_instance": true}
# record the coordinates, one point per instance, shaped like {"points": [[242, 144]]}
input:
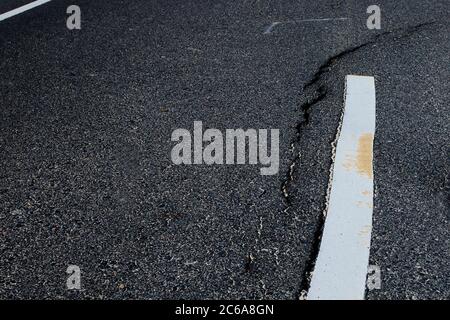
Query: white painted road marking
{"points": [[274, 24], [21, 9], [341, 268], [270, 28]]}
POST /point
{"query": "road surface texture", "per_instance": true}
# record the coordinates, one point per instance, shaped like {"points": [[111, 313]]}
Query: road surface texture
{"points": [[86, 176]]}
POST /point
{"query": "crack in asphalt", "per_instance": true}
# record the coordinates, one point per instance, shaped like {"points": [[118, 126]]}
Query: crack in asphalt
{"points": [[314, 92], [306, 109]]}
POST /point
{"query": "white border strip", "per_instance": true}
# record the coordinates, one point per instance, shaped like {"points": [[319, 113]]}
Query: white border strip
{"points": [[341, 268], [22, 9]]}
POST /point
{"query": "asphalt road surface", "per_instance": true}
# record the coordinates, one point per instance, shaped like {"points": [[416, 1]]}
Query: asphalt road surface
{"points": [[86, 176]]}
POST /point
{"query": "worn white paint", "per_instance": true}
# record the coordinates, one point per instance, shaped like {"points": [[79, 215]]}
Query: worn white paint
{"points": [[22, 9], [270, 28], [341, 266]]}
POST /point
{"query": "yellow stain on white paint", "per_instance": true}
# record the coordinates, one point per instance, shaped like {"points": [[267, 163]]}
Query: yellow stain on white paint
{"points": [[361, 204], [363, 235], [362, 162]]}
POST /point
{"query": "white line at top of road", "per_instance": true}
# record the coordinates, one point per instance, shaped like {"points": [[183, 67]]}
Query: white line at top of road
{"points": [[21, 9], [320, 19], [270, 28], [341, 267]]}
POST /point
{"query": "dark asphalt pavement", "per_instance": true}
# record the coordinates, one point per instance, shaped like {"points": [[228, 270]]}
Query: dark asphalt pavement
{"points": [[86, 176]]}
